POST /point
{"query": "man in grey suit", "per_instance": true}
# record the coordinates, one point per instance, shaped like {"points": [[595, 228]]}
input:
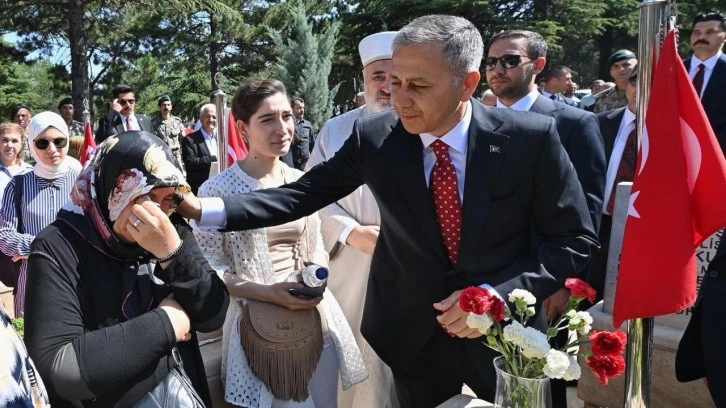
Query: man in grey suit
{"points": [[508, 177], [122, 115]]}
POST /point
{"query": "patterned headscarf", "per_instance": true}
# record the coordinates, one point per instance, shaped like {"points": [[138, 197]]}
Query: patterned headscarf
{"points": [[123, 168]]}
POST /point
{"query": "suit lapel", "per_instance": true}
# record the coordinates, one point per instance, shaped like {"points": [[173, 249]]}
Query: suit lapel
{"points": [[610, 130], [716, 82], [485, 155], [407, 153]]}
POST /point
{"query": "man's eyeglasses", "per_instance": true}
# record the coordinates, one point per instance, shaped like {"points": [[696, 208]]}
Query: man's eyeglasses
{"points": [[124, 102], [42, 144], [508, 61]]}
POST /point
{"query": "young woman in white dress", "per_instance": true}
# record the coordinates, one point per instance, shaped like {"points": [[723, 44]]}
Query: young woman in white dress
{"points": [[262, 264]]}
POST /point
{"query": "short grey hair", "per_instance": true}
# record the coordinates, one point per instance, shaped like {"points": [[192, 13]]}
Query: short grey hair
{"points": [[462, 42], [206, 107]]}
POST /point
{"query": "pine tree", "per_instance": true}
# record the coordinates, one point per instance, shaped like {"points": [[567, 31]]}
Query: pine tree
{"points": [[304, 62]]}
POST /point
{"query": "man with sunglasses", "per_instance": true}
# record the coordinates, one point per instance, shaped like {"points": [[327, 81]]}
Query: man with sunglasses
{"points": [[514, 60], [122, 116]]}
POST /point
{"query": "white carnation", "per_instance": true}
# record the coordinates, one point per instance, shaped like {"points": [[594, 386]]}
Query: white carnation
{"points": [[557, 364], [514, 333], [479, 322], [535, 343], [573, 370], [524, 295], [585, 322]]}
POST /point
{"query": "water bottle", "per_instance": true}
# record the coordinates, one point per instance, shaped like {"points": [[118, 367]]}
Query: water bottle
{"points": [[314, 276]]}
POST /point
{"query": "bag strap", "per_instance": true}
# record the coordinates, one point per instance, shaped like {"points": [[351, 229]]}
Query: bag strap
{"points": [[18, 200]]}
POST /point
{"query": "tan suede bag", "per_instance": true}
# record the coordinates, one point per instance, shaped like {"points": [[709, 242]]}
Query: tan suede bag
{"points": [[283, 346]]}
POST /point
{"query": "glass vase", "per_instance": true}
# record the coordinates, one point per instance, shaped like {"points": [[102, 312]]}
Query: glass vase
{"points": [[518, 392]]}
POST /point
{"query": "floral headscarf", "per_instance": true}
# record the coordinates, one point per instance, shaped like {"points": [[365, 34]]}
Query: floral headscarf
{"points": [[123, 168]]}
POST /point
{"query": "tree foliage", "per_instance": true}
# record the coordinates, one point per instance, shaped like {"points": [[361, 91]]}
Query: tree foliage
{"points": [[304, 61]]}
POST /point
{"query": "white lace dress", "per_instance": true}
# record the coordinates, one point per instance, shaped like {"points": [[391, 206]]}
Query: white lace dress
{"points": [[245, 255]]}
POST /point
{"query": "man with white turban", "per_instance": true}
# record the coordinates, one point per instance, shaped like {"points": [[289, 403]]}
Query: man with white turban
{"points": [[350, 226]]}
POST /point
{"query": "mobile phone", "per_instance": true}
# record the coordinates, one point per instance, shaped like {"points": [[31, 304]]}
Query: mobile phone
{"points": [[305, 292]]}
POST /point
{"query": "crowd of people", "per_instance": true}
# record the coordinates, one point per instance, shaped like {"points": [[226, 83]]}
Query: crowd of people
{"points": [[420, 192]]}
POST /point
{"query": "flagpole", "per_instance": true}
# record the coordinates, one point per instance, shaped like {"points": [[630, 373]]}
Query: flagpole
{"points": [[220, 101], [652, 28]]}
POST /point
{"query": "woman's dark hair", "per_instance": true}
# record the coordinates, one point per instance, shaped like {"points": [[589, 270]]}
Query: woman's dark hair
{"points": [[249, 96]]}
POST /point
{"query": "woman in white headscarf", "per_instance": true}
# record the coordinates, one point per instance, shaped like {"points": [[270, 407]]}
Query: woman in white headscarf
{"points": [[32, 200]]}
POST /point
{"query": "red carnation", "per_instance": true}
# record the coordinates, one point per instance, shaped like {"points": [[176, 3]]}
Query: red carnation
{"points": [[498, 309], [606, 367], [580, 289], [475, 300], [608, 343]]}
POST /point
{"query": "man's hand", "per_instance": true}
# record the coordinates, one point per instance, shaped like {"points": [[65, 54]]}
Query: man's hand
{"points": [[189, 206], [115, 106], [453, 319], [363, 238], [556, 304]]}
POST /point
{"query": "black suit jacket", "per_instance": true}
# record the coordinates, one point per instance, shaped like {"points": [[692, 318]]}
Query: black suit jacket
{"points": [[197, 159], [580, 136], [714, 99], [609, 126], [112, 124], [517, 175]]}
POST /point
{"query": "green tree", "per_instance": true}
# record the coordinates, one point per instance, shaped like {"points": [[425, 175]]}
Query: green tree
{"points": [[304, 63]]}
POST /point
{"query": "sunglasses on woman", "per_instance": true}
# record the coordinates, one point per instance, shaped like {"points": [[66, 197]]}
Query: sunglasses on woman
{"points": [[42, 144], [508, 61]]}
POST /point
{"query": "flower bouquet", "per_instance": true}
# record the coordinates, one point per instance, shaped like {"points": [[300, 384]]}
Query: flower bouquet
{"points": [[526, 352]]}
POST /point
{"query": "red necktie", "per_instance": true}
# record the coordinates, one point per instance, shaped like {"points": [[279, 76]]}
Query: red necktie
{"points": [[698, 80], [626, 168], [445, 193], [130, 123]]}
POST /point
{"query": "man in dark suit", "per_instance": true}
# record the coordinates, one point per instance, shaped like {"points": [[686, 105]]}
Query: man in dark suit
{"points": [[122, 115], [515, 88], [508, 177], [556, 81], [702, 350], [199, 149], [616, 127]]}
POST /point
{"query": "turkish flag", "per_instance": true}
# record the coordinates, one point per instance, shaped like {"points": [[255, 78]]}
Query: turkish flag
{"points": [[677, 200], [89, 144], [236, 147]]}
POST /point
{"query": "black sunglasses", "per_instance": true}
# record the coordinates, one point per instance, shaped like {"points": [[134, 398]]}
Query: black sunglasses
{"points": [[42, 144], [127, 101], [633, 80], [508, 61]]}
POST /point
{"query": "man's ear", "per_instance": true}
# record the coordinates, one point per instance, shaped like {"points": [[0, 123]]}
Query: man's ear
{"points": [[470, 82], [539, 64]]}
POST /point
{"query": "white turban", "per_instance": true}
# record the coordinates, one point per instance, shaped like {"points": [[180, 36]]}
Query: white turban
{"points": [[376, 47], [38, 125]]}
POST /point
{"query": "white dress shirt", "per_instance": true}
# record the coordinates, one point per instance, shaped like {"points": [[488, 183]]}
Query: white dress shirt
{"points": [[709, 65], [125, 121], [458, 141], [627, 124], [523, 105], [211, 142]]}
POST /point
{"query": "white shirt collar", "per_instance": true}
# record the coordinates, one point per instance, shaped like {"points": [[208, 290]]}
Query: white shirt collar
{"points": [[456, 138], [709, 63], [628, 117], [524, 104], [206, 135]]}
